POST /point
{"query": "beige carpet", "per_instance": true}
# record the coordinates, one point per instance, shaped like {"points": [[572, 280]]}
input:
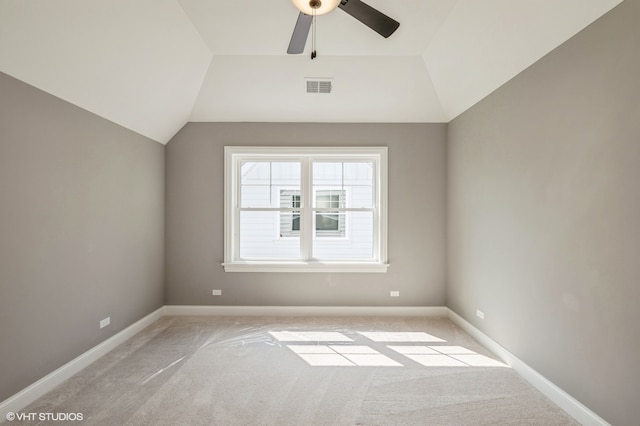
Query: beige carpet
{"points": [[300, 371]]}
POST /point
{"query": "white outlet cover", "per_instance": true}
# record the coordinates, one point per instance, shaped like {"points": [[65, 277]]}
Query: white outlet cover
{"points": [[217, 292], [105, 322]]}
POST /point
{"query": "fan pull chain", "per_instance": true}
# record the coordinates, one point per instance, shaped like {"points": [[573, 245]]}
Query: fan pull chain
{"points": [[313, 35]]}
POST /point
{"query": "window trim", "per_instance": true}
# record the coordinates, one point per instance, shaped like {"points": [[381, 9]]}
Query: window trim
{"points": [[232, 157]]}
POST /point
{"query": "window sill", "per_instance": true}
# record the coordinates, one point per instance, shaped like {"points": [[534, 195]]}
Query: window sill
{"points": [[362, 267]]}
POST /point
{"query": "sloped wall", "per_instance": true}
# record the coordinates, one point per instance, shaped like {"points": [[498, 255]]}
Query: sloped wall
{"points": [[81, 231], [544, 215]]}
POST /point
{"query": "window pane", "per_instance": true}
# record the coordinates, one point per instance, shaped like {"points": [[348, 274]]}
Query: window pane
{"points": [[330, 199], [260, 237], [330, 224], [327, 222], [360, 173], [327, 174], [353, 180], [355, 241], [358, 182], [262, 181], [285, 173], [255, 173], [256, 184], [256, 196]]}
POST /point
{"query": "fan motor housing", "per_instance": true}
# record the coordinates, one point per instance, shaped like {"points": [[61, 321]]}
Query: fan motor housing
{"points": [[319, 6]]}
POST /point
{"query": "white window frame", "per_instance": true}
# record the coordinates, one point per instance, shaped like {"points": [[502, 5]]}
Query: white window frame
{"points": [[234, 155]]}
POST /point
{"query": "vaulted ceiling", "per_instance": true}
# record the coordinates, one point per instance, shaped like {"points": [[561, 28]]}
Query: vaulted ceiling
{"points": [[153, 65]]}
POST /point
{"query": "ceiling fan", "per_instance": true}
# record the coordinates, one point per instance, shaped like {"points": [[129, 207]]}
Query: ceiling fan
{"points": [[309, 9]]}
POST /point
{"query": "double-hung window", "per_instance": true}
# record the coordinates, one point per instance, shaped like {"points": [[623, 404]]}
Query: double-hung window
{"points": [[305, 209]]}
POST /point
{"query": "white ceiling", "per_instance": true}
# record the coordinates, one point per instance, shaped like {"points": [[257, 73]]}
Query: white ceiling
{"points": [[153, 65]]}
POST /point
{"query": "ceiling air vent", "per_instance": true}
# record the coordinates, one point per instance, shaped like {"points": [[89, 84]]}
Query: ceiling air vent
{"points": [[316, 85]]}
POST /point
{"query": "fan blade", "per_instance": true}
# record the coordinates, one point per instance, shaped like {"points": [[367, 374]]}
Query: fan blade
{"points": [[300, 34], [372, 18]]}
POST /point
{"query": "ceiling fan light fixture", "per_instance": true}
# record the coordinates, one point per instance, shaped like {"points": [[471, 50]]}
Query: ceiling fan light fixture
{"points": [[308, 6]]}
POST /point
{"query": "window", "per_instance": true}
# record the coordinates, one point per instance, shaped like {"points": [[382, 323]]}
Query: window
{"points": [[327, 224], [290, 222], [305, 209]]}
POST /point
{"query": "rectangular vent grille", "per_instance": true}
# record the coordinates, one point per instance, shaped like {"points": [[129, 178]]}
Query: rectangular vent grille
{"points": [[319, 86]]}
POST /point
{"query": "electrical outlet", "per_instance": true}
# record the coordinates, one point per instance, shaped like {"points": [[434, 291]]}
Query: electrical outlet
{"points": [[480, 314], [105, 322], [217, 292], [394, 293]]}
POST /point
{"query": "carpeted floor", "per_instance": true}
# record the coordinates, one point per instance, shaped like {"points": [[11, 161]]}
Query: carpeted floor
{"points": [[300, 371]]}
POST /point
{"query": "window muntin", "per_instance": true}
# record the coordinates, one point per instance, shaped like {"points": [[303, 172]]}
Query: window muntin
{"points": [[305, 209]]}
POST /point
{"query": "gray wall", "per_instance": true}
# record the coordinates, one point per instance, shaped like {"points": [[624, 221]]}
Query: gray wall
{"points": [[194, 218], [544, 215], [81, 231]]}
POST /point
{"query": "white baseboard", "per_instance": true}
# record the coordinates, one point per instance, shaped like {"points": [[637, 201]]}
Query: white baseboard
{"points": [[562, 399], [34, 391], [433, 311], [565, 401]]}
